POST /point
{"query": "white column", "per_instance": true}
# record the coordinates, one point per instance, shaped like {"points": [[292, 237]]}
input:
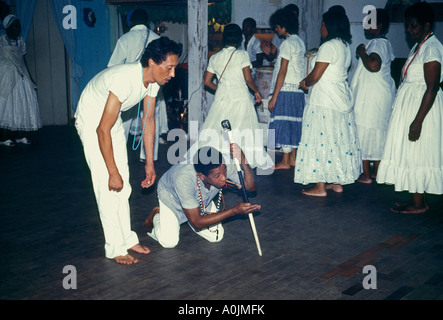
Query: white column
{"points": [[197, 61]]}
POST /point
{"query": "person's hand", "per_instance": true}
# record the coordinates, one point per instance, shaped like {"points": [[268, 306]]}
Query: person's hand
{"points": [[150, 176], [258, 96], [115, 182], [361, 49], [245, 208], [271, 103], [265, 46], [236, 151], [414, 130], [303, 86]]}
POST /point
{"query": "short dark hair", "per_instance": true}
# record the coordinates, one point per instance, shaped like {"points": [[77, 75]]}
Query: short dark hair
{"points": [[293, 7], [138, 16], [384, 19], [207, 158], [158, 50], [232, 35], [285, 19], [338, 26], [422, 11], [251, 22]]}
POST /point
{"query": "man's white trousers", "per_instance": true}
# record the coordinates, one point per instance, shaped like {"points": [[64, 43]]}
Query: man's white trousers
{"points": [[113, 206], [166, 228]]}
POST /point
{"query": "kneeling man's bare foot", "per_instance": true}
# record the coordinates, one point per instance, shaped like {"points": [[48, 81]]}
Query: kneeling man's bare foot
{"points": [[150, 219], [140, 249], [127, 259]]}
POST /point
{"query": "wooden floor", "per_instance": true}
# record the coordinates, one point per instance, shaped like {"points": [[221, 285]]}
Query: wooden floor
{"points": [[313, 248]]}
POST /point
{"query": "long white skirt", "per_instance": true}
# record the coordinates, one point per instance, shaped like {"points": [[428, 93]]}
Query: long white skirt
{"points": [[329, 149], [414, 166]]}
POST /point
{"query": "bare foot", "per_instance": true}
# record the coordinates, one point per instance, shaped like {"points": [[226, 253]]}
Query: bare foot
{"points": [[315, 192], [140, 249], [282, 165], [364, 179], [127, 259], [409, 208], [149, 222], [334, 187]]}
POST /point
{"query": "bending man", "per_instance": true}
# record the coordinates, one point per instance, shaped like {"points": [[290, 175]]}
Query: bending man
{"points": [[99, 126]]}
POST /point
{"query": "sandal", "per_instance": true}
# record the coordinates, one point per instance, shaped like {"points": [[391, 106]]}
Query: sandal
{"points": [[8, 143]]}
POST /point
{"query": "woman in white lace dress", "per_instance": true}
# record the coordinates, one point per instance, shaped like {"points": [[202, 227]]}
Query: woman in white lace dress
{"points": [[413, 156], [329, 153], [19, 111]]}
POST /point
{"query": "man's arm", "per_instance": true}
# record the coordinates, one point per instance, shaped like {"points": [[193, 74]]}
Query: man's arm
{"points": [[148, 140], [199, 221], [110, 114], [248, 177]]}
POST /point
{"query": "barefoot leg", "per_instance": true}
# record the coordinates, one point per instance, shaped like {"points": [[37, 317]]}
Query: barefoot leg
{"points": [[417, 206], [140, 249], [334, 187], [284, 163], [318, 191], [292, 156], [376, 164], [365, 177], [150, 220], [126, 259]]}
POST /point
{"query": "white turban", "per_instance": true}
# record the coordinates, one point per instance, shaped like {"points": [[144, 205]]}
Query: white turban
{"points": [[8, 20]]}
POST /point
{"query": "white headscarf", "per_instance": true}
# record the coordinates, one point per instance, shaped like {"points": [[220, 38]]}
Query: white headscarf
{"points": [[8, 20]]}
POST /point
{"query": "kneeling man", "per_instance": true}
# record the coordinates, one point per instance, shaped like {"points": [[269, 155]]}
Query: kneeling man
{"points": [[192, 192]]}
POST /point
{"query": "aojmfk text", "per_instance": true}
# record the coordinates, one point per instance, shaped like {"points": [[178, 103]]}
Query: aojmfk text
{"points": [[227, 310]]}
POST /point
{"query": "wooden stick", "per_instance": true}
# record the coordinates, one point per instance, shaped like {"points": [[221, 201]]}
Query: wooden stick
{"points": [[227, 126]]}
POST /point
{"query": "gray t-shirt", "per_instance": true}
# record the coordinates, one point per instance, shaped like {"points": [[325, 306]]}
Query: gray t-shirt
{"points": [[177, 188]]}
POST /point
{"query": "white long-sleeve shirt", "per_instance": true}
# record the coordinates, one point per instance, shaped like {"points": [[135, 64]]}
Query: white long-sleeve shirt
{"points": [[130, 46]]}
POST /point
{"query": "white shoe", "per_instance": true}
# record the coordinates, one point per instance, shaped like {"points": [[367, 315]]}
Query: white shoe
{"points": [[23, 140], [8, 143], [162, 141]]}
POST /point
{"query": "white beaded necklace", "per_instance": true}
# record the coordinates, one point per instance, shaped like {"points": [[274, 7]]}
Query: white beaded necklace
{"points": [[220, 200]]}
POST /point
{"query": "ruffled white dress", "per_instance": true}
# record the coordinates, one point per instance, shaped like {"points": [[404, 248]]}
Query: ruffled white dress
{"points": [[374, 94], [233, 102], [415, 166], [19, 109], [329, 149]]}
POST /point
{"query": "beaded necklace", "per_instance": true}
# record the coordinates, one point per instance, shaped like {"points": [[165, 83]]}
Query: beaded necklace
{"points": [[219, 201], [405, 68]]}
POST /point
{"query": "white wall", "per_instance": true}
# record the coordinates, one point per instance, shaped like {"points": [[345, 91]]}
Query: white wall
{"points": [[396, 34], [261, 10]]}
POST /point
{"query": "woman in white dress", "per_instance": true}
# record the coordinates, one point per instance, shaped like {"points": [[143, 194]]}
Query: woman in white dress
{"points": [[329, 149], [19, 111], [374, 92], [413, 156], [233, 102]]}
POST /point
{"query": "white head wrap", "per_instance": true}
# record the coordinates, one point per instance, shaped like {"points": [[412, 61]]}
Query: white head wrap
{"points": [[8, 20]]}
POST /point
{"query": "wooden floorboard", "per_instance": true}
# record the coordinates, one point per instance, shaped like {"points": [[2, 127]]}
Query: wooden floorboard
{"points": [[49, 220]]}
